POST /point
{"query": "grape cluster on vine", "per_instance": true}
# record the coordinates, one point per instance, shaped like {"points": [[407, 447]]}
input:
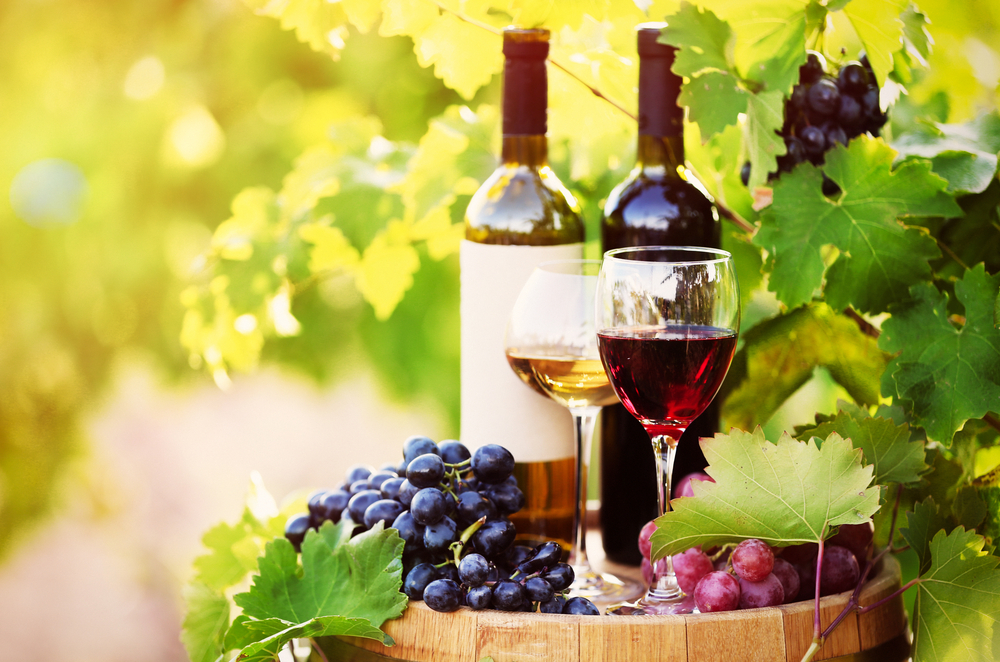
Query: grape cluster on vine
{"points": [[825, 110], [451, 509]]}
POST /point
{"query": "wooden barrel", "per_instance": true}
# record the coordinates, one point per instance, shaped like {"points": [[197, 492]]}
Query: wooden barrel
{"points": [[773, 634]]}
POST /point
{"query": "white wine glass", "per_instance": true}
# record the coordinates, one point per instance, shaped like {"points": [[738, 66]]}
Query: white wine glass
{"points": [[668, 319], [551, 344]]}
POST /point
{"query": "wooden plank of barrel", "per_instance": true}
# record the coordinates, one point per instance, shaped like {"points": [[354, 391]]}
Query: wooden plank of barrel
{"points": [[753, 635]]}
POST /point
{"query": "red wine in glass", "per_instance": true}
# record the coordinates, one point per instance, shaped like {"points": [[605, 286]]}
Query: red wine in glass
{"points": [[666, 374]]}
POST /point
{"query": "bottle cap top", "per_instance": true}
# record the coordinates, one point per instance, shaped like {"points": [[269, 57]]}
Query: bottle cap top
{"points": [[526, 43], [648, 34]]}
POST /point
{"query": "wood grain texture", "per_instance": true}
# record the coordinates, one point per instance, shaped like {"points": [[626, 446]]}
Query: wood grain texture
{"points": [[424, 635], [619, 638], [728, 636], [798, 619], [507, 636]]}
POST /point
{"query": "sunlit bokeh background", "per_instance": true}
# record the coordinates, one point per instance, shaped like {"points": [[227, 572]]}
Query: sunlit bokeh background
{"points": [[126, 129]]}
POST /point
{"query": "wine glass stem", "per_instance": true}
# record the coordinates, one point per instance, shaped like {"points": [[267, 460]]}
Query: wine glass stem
{"points": [[665, 586], [583, 419]]}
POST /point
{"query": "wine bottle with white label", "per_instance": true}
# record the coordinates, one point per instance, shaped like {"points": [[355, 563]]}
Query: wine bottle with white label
{"points": [[658, 204], [521, 216]]}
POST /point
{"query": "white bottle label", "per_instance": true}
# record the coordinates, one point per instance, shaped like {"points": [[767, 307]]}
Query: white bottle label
{"points": [[497, 407]]}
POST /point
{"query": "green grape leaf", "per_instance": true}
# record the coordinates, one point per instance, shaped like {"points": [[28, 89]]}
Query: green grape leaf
{"points": [[358, 578], [319, 23], [386, 269], [205, 622], [361, 13], [958, 601], [221, 567], [880, 258], [886, 446], [922, 524], [771, 39], [779, 355], [963, 154], [276, 633], [331, 249], [786, 493], [765, 115], [464, 56], [944, 374], [715, 99], [406, 17], [704, 41], [915, 30], [878, 24], [968, 508]]}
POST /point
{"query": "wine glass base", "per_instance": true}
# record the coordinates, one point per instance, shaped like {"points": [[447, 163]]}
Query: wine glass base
{"points": [[603, 587], [647, 607]]}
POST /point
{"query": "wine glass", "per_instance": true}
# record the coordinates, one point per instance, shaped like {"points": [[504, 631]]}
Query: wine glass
{"points": [[551, 344], [667, 320]]}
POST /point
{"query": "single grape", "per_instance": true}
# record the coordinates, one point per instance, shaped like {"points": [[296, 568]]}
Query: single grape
{"points": [[494, 538], [358, 486], [295, 529], [507, 498], [429, 505], [383, 510], [417, 446], [753, 560], [745, 174], [824, 97], [440, 534], [547, 555], [359, 472], [813, 139], [518, 554], [508, 595], [684, 487], [443, 595], [690, 566], [473, 506], [834, 134], [474, 569], [789, 578], [406, 493], [560, 576], [853, 78], [425, 470], [492, 463], [855, 537], [645, 546], [538, 589], [479, 597], [812, 70], [390, 488], [869, 102], [331, 506], [401, 469], [581, 607], [313, 504], [717, 591], [454, 452], [766, 593], [797, 101], [376, 480], [840, 570], [850, 113], [417, 580], [449, 571], [797, 154], [553, 606], [359, 504], [410, 531]]}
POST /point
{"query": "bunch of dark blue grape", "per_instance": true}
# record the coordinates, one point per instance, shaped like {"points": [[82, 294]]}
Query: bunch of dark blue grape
{"points": [[824, 110]]}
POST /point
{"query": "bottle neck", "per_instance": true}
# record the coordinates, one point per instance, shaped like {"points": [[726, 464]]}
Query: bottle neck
{"points": [[660, 153], [519, 150]]}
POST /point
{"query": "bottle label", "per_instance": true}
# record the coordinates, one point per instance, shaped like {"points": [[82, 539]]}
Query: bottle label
{"points": [[497, 407]]}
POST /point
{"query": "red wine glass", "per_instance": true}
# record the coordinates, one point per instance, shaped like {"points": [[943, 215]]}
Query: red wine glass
{"points": [[667, 321]]}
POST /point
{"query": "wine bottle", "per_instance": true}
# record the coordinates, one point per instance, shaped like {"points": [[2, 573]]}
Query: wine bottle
{"points": [[658, 204], [521, 216]]}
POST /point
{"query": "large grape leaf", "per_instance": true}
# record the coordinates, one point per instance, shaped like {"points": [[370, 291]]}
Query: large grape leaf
{"points": [[886, 446], [464, 56], [963, 154], [206, 620], [958, 601], [922, 524], [879, 258], [358, 578], [945, 374], [765, 115], [715, 99], [704, 41], [771, 39], [785, 493], [880, 28], [779, 355]]}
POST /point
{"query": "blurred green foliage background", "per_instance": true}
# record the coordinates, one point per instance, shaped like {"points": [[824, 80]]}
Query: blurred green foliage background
{"points": [[126, 130]]}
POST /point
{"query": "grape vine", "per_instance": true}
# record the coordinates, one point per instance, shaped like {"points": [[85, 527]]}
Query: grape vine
{"points": [[880, 244]]}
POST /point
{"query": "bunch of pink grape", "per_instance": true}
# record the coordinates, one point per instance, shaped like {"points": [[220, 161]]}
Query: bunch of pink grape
{"points": [[755, 575]]}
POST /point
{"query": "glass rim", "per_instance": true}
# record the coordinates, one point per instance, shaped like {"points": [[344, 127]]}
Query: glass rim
{"points": [[720, 255]]}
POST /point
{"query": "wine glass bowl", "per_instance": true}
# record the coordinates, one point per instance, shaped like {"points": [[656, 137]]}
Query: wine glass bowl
{"points": [[667, 320]]}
